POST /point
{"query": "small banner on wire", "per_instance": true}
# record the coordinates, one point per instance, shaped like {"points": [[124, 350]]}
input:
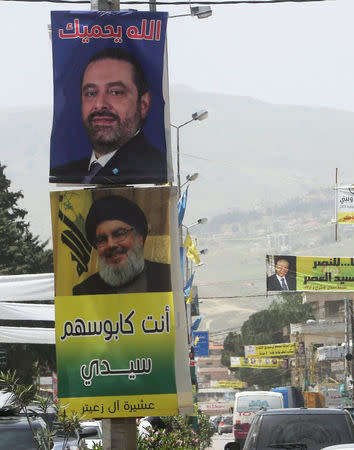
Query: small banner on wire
{"points": [[259, 363], [310, 273], [257, 351], [231, 384], [345, 204]]}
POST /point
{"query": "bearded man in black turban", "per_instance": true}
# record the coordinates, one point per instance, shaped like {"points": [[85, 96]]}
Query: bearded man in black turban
{"points": [[117, 228]]}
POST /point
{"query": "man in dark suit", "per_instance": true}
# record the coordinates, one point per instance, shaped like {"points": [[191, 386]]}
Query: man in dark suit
{"points": [[117, 228], [281, 281], [115, 101]]}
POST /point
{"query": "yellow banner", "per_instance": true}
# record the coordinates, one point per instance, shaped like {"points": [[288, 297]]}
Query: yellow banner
{"points": [[258, 351], [345, 204], [114, 309], [258, 363], [310, 273], [123, 406], [324, 274], [231, 384], [115, 346]]}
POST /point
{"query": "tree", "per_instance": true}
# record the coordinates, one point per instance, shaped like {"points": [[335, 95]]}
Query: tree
{"points": [[267, 327], [21, 252], [233, 346]]}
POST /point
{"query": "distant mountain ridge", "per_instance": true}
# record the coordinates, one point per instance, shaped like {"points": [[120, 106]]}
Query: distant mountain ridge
{"points": [[249, 155]]}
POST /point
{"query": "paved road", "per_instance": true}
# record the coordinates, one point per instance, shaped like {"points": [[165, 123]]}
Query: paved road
{"points": [[220, 441]]}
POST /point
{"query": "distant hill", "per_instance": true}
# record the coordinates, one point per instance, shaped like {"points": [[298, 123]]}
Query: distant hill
{"points": [[247, 152], [250, 155]]}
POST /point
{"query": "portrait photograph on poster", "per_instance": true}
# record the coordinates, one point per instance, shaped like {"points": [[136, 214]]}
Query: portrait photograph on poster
{"points": [[281, 273], [114, 305], [111, 241], [309, 273], [109, 107]]}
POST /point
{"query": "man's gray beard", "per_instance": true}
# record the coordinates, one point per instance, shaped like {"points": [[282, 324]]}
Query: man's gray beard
{"points": [[121, 275]]}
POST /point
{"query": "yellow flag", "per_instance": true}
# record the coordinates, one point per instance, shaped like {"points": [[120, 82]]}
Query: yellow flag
{"points": [[189, 299], [192, 252]]}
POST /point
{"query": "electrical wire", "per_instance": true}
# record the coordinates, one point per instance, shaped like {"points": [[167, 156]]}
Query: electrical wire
{"points": [[240, 296], [222, 2]]}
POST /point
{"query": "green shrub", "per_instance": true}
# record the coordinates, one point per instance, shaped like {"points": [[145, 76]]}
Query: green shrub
{"points": [[178, 434]]}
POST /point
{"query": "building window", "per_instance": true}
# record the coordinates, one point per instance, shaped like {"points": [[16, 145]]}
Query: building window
{"points": [[334, 308]]}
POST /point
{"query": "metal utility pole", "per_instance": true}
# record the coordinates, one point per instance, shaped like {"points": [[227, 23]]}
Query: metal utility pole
{"points": [[347, 364], [336, 206], [117, 433]]}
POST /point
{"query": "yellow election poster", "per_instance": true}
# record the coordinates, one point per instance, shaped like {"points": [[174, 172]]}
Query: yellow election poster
{"points": [[120, 352], [231, 384], [258, 363], [266, 350], [309, 273], [324, 274], [345, 204]]}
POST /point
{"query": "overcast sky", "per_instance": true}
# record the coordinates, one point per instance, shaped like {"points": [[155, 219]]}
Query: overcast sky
{"points": [[288, 53], [282, 53]]}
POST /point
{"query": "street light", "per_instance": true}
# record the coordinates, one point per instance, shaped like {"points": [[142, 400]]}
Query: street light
{"points": [[189, 178], [199, 115], [201, 221], [202, 12]]}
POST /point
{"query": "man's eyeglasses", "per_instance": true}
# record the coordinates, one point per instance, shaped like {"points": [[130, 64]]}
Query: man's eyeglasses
{"points": [[118, 235]]}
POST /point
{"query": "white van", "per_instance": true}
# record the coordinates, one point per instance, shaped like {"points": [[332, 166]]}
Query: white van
{"points": [[246, 405]]}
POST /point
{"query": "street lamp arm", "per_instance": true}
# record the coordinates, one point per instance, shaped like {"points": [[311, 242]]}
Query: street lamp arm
{"points": [[182, 125], [199, 115]]}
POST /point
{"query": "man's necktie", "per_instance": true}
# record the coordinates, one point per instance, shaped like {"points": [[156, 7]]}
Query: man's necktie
{"points": [[94, 169], [283, 285]]}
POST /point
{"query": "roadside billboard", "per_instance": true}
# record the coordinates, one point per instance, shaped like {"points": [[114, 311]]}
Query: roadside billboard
{"points": [[119, 350], [110, 86], [309, 273], [345, 204], [259, 363], [284, 349]]}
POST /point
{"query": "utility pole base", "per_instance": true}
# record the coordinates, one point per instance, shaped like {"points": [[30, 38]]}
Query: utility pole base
{"points": [[119, 434]]}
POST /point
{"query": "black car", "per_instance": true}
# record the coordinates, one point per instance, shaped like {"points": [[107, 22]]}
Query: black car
{"points": [[298, 428], [15, 433]]}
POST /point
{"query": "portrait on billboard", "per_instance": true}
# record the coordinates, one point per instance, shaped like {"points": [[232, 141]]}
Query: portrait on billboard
{"points": [[281, 273], [109, 108], [111, 241], [309, 273]]}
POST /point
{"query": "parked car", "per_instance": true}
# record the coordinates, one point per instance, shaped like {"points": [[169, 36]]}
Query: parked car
{"points": [[16, 434], [80, 439], [214, 422], [299, 428], [350, 409], [225, 424], [7, 403], [94, 438]]}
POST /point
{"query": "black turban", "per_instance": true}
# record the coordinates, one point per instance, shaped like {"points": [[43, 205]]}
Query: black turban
{"points": [[115, 207]]}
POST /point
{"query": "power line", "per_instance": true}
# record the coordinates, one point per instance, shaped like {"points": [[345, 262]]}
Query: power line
{"points": [[222, 2], [238, 296]]}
